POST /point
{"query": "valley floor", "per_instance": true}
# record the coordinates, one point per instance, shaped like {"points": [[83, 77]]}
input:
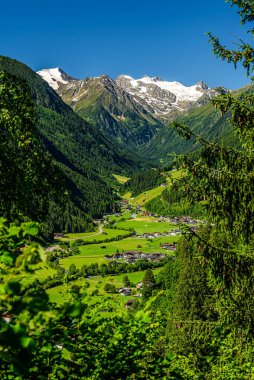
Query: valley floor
{"points": [[123, 234]]}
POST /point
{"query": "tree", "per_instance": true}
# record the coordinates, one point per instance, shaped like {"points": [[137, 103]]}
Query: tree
{"points": [[72, 270], [60, 272], [110, 288], [126, 281], [149, 284], [223, 251]]}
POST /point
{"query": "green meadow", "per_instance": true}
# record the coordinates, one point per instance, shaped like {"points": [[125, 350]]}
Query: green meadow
{"points": [[143, 225], [120, 178], [95, 253], [93, 288], [91, 237], [88, 286]]}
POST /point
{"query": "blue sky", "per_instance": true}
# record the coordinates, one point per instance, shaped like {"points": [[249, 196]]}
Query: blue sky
{"points": [[134, 37]]}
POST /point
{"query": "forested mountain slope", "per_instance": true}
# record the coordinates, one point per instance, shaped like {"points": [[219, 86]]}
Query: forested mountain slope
{"points": [[202, 119], [86, 159], [88, 142]]}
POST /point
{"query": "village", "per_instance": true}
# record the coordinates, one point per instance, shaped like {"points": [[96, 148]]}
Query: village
{"points": [[132, 256]]}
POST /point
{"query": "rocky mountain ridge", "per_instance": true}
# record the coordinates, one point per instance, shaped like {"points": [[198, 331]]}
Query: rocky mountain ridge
{"points": [[158, 97], [106, 105], [127, 110]]}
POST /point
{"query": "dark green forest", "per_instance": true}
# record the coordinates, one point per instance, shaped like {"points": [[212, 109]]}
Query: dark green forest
{"points": [[82, 157], [195, 319], [144, 180], [173, 202]]}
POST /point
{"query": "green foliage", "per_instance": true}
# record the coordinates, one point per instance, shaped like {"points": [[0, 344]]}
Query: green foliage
{"points": [[149, 284], [244, 52], [126, 281], [24, 174], [211, 323], [172, 202], [143, 180], [73, 340], [110, 288]]}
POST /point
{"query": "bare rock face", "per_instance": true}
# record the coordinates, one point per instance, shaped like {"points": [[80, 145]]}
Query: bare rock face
{"points": [[162, 97], [202, 86]]}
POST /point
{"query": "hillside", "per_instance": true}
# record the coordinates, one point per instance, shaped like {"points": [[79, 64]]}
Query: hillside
{"points": [[203, 119], [85, 158]]}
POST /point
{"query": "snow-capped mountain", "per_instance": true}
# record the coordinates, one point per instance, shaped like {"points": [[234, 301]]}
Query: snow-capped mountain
{"points": [[162, 96], [158, 97], [54, 77], [130, 110], [108, 106]]}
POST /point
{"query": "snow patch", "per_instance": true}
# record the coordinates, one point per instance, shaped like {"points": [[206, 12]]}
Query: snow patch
{"points": [[179, 90], [52, 76]]}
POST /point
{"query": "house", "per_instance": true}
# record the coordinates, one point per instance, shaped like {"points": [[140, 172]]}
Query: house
{"points": [[129, 304], [118, 256], [58, 235], [139, 285], [97, 221], [168, 246], [54, 248], [108, 257], [131, 260], [59, 346], [156, 256], [125, 291], [174, 220], [147, 236], [132, 255], [175, 232], [7, 317]]}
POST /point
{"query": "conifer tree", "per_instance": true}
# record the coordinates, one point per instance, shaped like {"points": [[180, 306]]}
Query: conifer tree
{"points": [[148, 284], [221, 334]]}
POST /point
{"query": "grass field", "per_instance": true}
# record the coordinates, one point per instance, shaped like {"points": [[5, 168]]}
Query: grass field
{"points": [[120, 178], [93, 237], [79, 261], [81, 235], [60, 294], [124, 216], [127, 195], [146, 225], [95, 252], [40, 274], [90, 254], [147, 196]]}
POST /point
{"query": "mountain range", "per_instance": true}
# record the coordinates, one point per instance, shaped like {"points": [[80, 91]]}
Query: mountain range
{"points": [[128, 110], [95, 127]]}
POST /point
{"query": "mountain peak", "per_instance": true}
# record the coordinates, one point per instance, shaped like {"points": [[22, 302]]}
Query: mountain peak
{"points": [[201, 86], [54, 76], [160, 95]]}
